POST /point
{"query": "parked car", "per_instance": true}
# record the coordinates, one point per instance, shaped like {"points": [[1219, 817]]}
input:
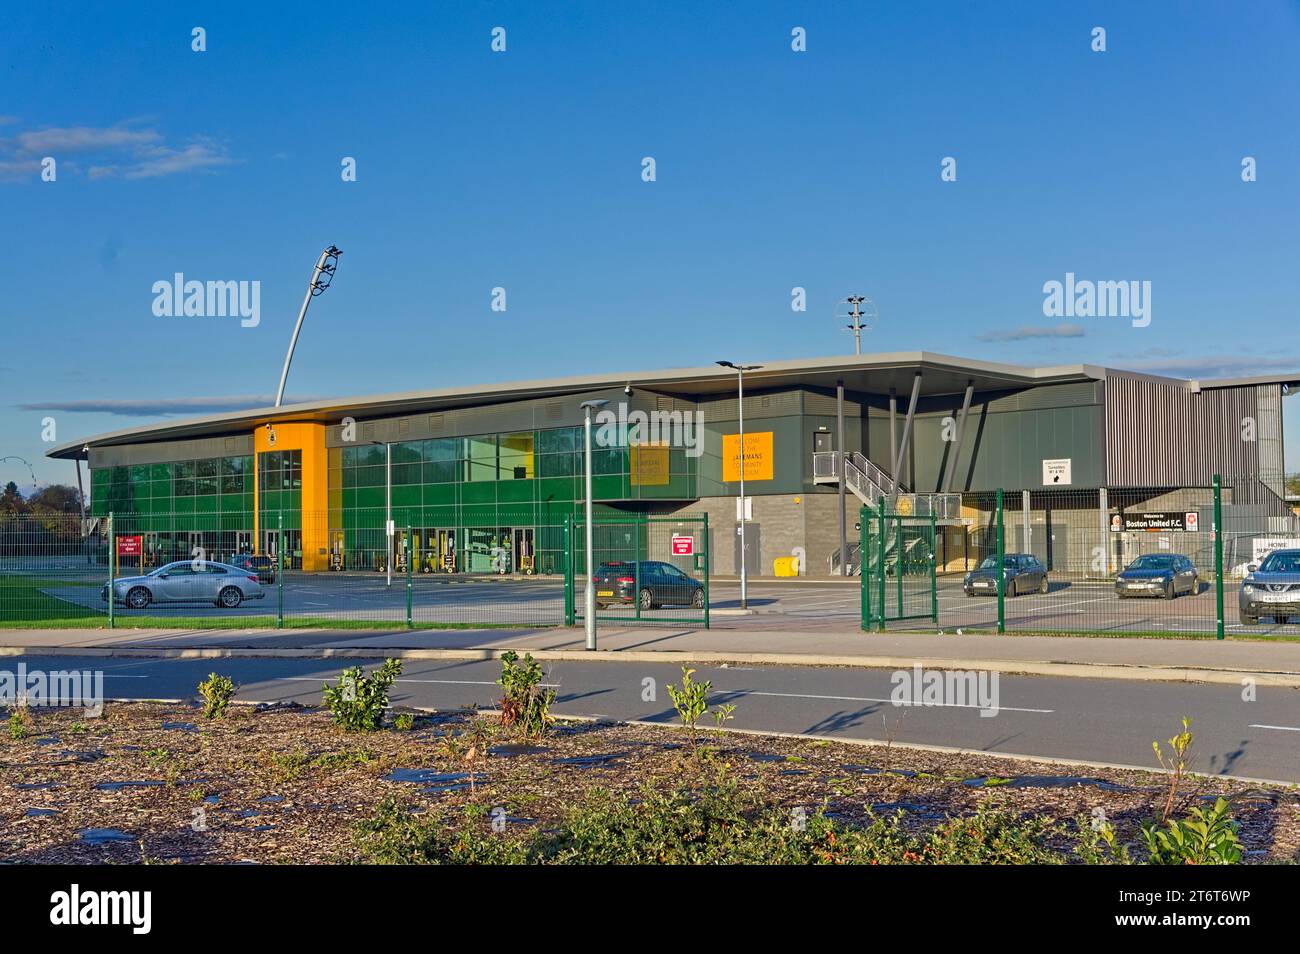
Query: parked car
{"points": [[187, 581], [1022, 571], [258, 563], [1271, 588], [1158, 574], [661, 584]]}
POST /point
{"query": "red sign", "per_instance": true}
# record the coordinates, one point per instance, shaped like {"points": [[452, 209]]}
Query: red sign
{"points": [[129, 546], [683, 545]]}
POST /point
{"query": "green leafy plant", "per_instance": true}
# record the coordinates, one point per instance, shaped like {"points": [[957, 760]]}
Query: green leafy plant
{"points": [[404, 722], [1175, 764], [358, 701], [216, 692], [722, 713], [691, 700], [1203, 838], [526, 705], [20, 723]]}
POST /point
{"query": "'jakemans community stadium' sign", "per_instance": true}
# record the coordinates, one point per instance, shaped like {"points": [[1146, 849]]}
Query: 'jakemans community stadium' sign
{"points": [[1189, 521]]}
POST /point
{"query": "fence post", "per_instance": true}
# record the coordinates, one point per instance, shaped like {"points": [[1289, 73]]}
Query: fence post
{"points": [[279, 573], [864, 561], [704, 545], [636, 564], [112, 567], [410, 564], [881, 566], [1218, 555], [934, 570], [1002, 557], [568, 570]]}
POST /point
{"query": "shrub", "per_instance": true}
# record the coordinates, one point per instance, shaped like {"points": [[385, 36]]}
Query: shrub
{"points": [[404, 722], [216, 692], [20, 723], [691, 701], [526, 705], [358, 701], [395, 836], [1203, 838], [1176, 764]]}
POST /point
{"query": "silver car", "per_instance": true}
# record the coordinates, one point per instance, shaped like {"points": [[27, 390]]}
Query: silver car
{"points": [[187, 581], [1271, 589]]}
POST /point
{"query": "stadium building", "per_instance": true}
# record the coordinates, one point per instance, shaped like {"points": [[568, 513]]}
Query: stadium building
{"points": [[480, 471]]}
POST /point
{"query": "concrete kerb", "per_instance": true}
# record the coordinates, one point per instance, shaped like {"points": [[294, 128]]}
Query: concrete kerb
{"points": [[1235, 677]]}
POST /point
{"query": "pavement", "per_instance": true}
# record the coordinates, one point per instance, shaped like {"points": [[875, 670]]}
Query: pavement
{"points": [[1056, 719], [799, 643]]}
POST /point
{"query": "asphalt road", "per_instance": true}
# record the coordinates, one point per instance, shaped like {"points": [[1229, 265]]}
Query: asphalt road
{"points": [[1087, 719]]}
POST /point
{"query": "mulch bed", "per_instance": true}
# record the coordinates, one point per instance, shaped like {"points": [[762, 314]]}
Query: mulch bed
{"points": [[157, 783]]}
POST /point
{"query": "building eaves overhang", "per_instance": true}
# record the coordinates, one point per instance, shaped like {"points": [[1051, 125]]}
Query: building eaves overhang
{"points": [[876, 373]]}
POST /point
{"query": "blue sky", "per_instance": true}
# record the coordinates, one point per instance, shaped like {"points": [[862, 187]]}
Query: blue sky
{"points": [[522, 170]]}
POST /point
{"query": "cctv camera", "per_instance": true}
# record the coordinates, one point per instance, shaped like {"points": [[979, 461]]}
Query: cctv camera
{"points": [[628, 390]]}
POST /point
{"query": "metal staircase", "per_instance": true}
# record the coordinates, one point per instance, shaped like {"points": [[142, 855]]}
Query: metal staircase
{"points": [[871, 485]]}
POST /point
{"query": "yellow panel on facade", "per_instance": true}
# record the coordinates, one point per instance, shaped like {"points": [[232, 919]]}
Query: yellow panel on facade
{"points": [[310, 439], [758, 457], [648, 465]]}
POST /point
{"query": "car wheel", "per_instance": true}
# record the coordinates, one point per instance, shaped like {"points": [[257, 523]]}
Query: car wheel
{"points": [[697, 599], [1042, 587], [1169, 591], [647, 600], [138, 598], [1247, 620], [230, 597]]}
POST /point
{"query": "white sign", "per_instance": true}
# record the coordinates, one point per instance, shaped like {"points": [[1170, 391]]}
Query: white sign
{"points": [[1056, 473], [391, 528], [1263, 546], [1191, 521], [747, 513]]}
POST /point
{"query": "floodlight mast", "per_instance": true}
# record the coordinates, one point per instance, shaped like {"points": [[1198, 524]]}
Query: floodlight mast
{"points": [[321, 277]]}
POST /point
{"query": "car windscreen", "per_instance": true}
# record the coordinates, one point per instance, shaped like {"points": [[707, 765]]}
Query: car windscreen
{"points": [[990, 563], [1152, 562], [1279, 562]]}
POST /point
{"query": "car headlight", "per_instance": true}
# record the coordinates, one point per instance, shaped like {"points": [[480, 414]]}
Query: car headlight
{"points": [[1248, 588]]}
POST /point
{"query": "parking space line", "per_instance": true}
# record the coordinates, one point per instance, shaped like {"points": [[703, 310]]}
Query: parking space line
{"points": [[923, 705]]}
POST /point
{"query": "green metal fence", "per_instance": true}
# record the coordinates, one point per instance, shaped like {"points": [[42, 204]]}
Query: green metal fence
{"points": [[898, 567], [648, 570], [1179, 562], [55, 571]]}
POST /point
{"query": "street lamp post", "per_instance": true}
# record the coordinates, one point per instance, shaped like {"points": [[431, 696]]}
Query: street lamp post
{"points": [[740, 370], [589, 596]]}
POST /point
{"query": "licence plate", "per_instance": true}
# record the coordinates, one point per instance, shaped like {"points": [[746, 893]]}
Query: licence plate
{"points": [[1276, 598], [604, 592]]}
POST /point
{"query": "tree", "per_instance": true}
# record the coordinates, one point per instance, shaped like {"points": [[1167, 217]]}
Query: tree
{"points": [[56, 498], [11, 501]]}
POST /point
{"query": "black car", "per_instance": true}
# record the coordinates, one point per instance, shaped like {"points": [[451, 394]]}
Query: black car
{"points": [[1022, 571], [1158, 574], [257, 563], [660, 584]]}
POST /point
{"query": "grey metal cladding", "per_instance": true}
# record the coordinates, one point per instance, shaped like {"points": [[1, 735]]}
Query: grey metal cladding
{"points": [[166, 452], [1167, 434]]}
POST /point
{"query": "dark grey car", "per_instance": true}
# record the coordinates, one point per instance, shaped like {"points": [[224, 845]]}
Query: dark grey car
{"points": [[1271, 589], [1022, 571], [1158, 574], [652, 584], [187, 581]]}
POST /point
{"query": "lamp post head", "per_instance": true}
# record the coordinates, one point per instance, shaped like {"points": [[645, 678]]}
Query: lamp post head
{"points": [[593, 405]]}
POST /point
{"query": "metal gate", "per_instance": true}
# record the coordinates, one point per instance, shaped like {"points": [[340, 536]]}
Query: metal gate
{"points": [[647, 570], [898, 568]]}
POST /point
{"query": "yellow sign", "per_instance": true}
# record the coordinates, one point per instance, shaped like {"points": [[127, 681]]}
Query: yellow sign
{"points": [[649, 465], [758, 456]]}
